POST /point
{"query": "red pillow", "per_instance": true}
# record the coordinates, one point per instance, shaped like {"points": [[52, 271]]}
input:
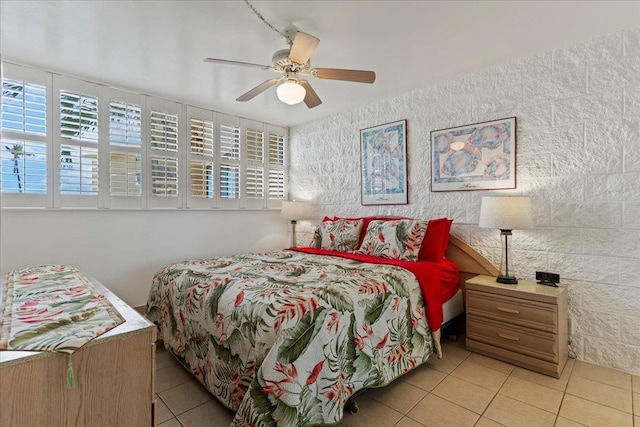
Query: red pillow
{"points": [[436, 240]]}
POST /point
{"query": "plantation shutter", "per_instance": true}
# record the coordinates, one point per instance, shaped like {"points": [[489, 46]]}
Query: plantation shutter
{"points": [[79, 155], [255, 182], [76, 142], [24, 107], [201, 158], [255, 146], [24, 152], [125, 150], [66, 142], [254, 169], [276, 166], [164, 154], [229, 161]]}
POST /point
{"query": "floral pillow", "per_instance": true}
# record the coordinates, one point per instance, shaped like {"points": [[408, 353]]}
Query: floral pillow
{"points": [[340, 235], [316, 240], [397, 239]]}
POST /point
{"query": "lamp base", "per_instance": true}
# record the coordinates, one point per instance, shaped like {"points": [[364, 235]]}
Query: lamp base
{"points": [[507, 280]]}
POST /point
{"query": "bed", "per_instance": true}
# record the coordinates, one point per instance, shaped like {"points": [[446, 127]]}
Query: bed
{"points": [[288, 337]]}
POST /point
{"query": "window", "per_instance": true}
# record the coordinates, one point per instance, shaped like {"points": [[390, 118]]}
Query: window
{"points": [[276, 165], [255, 182], [23, 161], [164, 176], [67, 142], [125, 149], [77, 170], [24, 107], [254, 188], [24, 167], [229, 140], [25, 128], [164, 152], [201, 158]]}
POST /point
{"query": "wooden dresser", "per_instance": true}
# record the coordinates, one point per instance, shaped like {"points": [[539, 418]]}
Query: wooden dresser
{"points": [[114, 379], [524, 324]]}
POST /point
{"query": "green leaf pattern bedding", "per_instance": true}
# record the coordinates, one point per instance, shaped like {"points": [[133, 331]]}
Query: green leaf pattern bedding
{"points": [[285, 338]]}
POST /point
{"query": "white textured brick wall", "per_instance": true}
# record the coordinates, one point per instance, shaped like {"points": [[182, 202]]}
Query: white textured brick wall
{"points": [[578, 156]]}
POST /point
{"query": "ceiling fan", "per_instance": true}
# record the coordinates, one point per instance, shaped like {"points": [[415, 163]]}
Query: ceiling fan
{"points": [[293, 63]]}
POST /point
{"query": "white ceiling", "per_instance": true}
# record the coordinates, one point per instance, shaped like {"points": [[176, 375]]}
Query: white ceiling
{"points": [[157, 47]]}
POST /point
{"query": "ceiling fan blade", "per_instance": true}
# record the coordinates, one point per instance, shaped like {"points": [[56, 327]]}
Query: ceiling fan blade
{"points": [[244, 64], [358, 76], [302, 48], [258, 90], [311, 98]]}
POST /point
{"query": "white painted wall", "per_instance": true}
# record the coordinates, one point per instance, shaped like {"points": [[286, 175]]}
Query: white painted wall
{"points": [[578, 156], [124, 249]]}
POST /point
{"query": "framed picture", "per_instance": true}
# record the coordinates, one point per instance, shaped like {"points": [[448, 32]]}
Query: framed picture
{"points": [[384, 164], [480, 156]]}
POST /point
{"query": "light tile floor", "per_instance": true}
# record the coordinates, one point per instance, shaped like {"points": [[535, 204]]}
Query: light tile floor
{"points": [[461, 389]]}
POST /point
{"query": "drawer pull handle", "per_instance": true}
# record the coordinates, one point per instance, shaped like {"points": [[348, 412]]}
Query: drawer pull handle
{"points": [[508, 337], [508, 310]]}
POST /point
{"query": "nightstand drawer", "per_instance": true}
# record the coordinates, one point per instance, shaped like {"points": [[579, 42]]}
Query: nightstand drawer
{"points": [[534, 343], [531, 314]]}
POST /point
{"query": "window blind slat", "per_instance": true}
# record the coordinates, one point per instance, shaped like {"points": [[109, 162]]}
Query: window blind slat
{"points": [[125, 124], [276, 184], [229, 142], [254, 183], [164, 176], [276, 150], [125, 171], [254, 145], [23, 167], [78, 116], [78, 170], [24, 107], [164, 131], [229, 181], [202, 137], [202, 179]]}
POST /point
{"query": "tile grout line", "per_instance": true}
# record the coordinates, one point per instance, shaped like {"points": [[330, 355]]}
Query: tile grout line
{"points": [[493, 398], [564, 393], [428, 392]]}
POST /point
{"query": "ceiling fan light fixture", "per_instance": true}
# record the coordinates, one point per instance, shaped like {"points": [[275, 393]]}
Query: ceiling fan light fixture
{"points": [[290, 92]]}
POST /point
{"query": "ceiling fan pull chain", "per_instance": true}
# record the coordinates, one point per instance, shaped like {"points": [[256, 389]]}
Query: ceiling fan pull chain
{"points": [[259, 15]]}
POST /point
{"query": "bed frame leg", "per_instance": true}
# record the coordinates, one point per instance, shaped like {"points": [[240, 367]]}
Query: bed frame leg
{"points": [[352, 406], [453, 329]]}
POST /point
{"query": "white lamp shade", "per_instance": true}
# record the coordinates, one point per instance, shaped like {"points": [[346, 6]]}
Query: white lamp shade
{"points": [[506, 213], [294, 211], [291, 93]]}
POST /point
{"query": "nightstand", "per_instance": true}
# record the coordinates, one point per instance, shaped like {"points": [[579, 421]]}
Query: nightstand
{"points": [[524, 324]]}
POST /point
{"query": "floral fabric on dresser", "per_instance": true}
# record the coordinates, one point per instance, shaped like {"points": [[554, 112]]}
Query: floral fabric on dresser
{"points": [[52, 308], [340, 235], [285, 338], [394, 239]]}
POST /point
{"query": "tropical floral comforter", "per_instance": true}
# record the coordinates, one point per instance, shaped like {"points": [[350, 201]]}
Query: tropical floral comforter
{"points": [[285, 338]]}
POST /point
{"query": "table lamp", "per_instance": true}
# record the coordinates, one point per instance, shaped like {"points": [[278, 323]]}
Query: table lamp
{"points": [[506, 213], [294, 211]]}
